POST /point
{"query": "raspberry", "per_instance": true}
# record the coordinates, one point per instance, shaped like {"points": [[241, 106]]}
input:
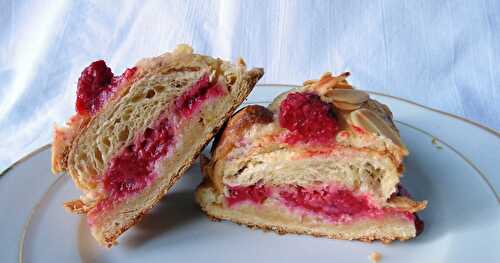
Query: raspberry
{"points": [[308, 119], [91, 85], [96, 85]]}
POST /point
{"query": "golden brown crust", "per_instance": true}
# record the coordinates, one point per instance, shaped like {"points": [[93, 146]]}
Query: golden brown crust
{"points": [[236, 127], [282, 231]]}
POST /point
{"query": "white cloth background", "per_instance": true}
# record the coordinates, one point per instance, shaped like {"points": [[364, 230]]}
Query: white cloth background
{"points": [[443, 54]]}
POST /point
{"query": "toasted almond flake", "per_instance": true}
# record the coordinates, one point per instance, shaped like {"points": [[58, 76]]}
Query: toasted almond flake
{"points": [[327, 74], [240, 62], [344, 75], [351, 96], [326, 82], [343, 85], [346, 106], [309, 82], [184, 49], [359, 119], [372, 122], [406, 204]]}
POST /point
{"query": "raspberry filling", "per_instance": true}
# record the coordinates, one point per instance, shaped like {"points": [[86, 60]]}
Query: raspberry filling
{"points": [[134, 168], [334, 204], [308, 119], [191, 101], [255, 193], [96, 86]]}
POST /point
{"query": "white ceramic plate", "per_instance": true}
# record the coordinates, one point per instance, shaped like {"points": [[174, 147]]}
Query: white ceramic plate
{"points": [[458, 174]]}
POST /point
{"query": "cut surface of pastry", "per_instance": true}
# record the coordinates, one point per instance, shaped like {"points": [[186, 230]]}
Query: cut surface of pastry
{"points": [[324, 159], [134, 135]]}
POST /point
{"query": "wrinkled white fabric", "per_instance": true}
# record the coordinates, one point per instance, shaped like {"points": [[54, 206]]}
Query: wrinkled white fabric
{"points": [[443, 54]]}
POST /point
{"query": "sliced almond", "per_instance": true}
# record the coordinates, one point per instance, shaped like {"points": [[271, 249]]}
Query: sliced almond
{"points": [[310, 82], [404, 203], [351, 96], [183, 49], [346, 106], [370, 121], [343, 85], [240, 62], [344, 75], [358, 118], [326, 83]]}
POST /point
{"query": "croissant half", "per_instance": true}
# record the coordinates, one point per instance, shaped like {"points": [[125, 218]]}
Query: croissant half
{"points": [[134, 135]]}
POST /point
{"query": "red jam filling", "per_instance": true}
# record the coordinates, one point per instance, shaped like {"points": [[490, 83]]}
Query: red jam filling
{"points": [[192, 100], [308, 119], [134, 168], [336, 205], [254, 193], [96, 86], [326, 202]]}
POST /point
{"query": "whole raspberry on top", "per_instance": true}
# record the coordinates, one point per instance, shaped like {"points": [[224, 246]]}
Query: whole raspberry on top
{"points": [[308, 119]]}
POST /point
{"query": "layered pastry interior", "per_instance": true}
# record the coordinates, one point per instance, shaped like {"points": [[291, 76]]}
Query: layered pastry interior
{"points": [[135, 134], [323, 159]]}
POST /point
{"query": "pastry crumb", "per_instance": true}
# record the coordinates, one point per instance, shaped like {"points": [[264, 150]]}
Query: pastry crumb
{"points": [[375, 257], [435, 142]]}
